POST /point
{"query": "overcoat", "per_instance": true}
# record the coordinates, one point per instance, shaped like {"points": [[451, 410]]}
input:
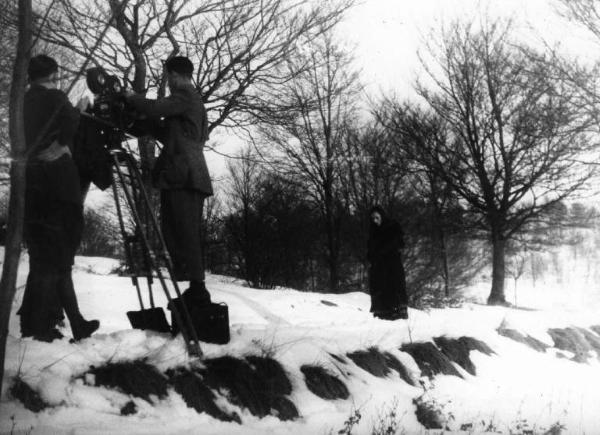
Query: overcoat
{"points": [[386, 275], [180, 123]]}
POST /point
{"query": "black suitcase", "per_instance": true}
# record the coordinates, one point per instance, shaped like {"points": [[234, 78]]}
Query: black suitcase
{"points": [[211, 322]]}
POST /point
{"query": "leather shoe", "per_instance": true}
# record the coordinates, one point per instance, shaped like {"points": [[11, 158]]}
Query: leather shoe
{"points": [[85, 329], [48, 336]]}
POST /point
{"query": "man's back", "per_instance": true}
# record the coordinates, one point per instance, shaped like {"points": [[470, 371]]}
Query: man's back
{"points": [[48, 116]]}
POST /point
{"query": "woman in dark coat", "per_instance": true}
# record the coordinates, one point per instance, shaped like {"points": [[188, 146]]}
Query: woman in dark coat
{"points": [[386, 278]]}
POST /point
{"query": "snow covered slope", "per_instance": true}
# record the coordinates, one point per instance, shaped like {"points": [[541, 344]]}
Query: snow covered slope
{"points": [[514, 389]]}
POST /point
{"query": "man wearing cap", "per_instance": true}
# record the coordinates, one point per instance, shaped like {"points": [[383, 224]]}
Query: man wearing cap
{"points": [[53, 207], [179, 121]]}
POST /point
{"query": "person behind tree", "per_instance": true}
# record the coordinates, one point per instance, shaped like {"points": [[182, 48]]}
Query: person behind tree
{"points": [[53, 208], [180, 123], [386, 275]]}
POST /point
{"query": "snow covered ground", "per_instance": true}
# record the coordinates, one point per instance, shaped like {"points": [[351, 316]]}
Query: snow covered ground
{"points": [[516, 389]]}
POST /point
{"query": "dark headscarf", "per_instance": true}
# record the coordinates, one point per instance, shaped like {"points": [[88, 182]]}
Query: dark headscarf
{"points": [[376, 209]]}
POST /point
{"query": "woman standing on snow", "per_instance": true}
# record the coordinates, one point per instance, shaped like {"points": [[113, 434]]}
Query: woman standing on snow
{"points": [[386, 278]]}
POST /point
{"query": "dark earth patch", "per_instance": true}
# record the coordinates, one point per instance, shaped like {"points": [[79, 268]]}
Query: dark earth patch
{"points": [[275, 379], [430, 359], [370, 360], [528, 340], [259, 386], [592, 339], [197, 395], [572, 340], [137, 378], [393, 363], [323, 384], [478, 345], [129, 408], [456, 351], [30, 398], [428, 414]]}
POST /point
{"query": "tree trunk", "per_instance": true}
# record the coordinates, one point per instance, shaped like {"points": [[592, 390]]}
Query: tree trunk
{"points": [[16, 209], [498, 269], [446, 269], [332, 245], [332, 259], [438, 223]]}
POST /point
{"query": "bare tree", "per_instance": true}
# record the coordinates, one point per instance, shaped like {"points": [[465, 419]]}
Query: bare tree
{"points": [[138, 39], [583, 12], [372, 172], [8, 42], [516, 136], [243, 190], [372, 176], [409, 127], [584, 78], [240, 46], [17, 175], [244, 55], [310, 138]]}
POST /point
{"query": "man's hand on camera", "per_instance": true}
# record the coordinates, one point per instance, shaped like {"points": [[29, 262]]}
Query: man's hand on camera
{"points": [[53, 152], [131, 96]]}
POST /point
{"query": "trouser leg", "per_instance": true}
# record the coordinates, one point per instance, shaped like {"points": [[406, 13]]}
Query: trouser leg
{"points": [[40, 310], [181, 221], [68, 298]]}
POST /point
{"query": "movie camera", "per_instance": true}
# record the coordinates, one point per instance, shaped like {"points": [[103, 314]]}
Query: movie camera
{"points": [[110, 105]]}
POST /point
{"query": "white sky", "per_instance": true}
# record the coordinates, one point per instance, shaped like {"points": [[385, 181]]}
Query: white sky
{"points": [[385, 36], [388, 33]]}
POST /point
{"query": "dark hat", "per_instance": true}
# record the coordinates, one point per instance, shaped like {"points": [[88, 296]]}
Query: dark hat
{"points": [[180, 64], [377, 209], [41, 66]]}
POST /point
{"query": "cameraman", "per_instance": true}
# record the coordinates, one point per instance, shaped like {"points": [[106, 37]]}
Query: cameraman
{"points": [[53, 208], [180, 123]]}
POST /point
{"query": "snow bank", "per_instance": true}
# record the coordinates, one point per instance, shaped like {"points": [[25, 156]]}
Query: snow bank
{"points": [[514, 388]]}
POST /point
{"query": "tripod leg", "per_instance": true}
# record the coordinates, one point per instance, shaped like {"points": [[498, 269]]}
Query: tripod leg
{"points": [[126, 241], [184, 322]]}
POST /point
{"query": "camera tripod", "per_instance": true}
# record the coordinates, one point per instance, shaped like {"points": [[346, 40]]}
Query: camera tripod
{"points": [[145, 249]]}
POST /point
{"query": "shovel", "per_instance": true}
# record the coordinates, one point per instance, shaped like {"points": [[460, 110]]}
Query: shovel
{"points": [[152, 318], [148, 318]]}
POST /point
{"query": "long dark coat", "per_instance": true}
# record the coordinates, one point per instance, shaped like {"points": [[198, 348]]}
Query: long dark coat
{"points": [[179, 121], [386, 277]]}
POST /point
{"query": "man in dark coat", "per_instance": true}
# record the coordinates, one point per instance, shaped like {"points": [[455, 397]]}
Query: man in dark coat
{"points": [[179, 121], [53, 208], [386, 276]]}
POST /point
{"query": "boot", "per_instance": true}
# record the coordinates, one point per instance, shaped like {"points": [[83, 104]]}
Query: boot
{"points": [[80, 327], [48, 336], [84, 328]]}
